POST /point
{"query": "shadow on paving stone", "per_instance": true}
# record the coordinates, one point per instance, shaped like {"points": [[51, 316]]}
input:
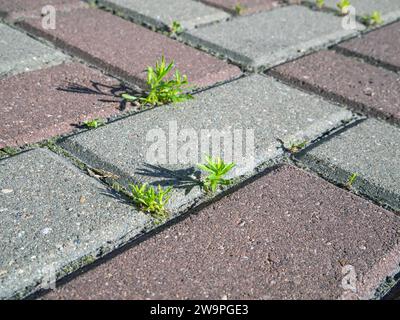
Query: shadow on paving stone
{"points": [[117, 196], [186, 179], [114, 91]]}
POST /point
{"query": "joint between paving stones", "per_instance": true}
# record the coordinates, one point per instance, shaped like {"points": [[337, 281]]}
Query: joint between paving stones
{"points": [[357, 107], [368, 59], [339, 177]]}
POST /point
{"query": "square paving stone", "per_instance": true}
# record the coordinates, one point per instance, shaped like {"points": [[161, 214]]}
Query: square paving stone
{"points": [[269, 38], [126, 49], [349, 80], [288, 235], [21, 53], [245, 118], [41, 104], [54, 219], [247, 6], [162, 14], [381, 46], [389, 9], [16, 9], [372, 151]]}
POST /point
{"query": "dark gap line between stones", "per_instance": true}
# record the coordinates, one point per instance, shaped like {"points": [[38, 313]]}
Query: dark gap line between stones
{"points": [[333, 97], [367, 59], [296, 160], [185, 215], [195, 209]]}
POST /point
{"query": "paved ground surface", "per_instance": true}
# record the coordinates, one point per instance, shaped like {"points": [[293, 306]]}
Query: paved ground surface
{"points": [[389, 9], [190, 14], [253, 244], [111, 43], [275, 77]]}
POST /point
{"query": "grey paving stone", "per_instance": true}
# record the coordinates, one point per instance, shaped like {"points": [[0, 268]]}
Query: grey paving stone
{"points": [[161, 14], [55, 219], [262, 104], [18, 9], [269, 38], [20, 53], [372, 150], [390, 9]]}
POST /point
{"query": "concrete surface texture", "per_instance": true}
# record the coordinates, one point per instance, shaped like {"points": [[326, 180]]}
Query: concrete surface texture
{"points": [[308, 110], [243, 6], [289, 235], [255, 41], [260, 107], [371, 149], [126, 49], [389, 9], [380, 46], [55, 219], [21, 53], [41, 104], [189, 14], [366, 87]]}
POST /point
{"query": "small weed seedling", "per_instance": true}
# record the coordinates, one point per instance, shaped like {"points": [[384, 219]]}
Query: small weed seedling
{"points": [[9, 150], [373, 19], [320, 3], [151, 200], [239, 9], [176, 28], [293, 147], [128, 97], [217, 170], [93, 124], [343, 6], [296, 147], [161, 90], [351, 180]]}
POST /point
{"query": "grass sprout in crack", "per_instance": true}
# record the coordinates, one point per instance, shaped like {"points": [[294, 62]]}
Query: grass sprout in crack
{"points": [[161, 88], [151, 199], [217, 169]]}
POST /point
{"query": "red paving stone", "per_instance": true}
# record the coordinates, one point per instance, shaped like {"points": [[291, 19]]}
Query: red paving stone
{"points": [[366, 87], [284, 236], [249, 6], [14, 9], [126, 49], [33, 107], [382, 46]]}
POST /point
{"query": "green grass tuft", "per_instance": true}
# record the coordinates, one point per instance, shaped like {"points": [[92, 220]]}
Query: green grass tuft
{"points": [[217, 169], [161, 89], [93, 124], [151, 200]]}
